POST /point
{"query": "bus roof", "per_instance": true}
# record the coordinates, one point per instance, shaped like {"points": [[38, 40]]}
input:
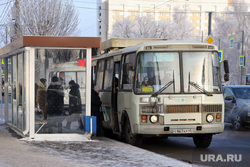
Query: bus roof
{"points": [[162, 45]]}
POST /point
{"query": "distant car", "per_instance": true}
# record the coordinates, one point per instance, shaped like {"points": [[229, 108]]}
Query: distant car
{"points": [[237, 105]]}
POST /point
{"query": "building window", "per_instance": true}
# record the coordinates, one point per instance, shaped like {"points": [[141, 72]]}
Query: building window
{"points": [[215, 8], [129, 13], [191, 21], [160, 13], [199, 14], [168, 7], [198, 21], [191, 14], [168, 14], [121, 13], [114, 12], [199, 7]]}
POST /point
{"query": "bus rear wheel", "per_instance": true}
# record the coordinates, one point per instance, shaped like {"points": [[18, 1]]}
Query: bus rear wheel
{"points": [[203, 140], [130, 138]]}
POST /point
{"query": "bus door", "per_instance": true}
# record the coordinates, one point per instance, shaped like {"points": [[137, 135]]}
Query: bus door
{"points": [[116, 77]]}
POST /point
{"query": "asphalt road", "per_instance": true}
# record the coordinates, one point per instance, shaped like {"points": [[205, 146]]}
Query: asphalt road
{"points": [[230, 148]]}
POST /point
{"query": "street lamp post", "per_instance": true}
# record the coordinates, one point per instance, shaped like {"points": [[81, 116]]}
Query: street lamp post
{"points": [[242, 53]]}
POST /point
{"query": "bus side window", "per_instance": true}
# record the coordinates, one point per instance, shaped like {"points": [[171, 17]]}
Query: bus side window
{"points": [[100, 72], [125, 73], [128, 72]]}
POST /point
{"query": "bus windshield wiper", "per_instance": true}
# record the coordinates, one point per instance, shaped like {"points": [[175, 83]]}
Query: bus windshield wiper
{"points": [[199, 88], [162, 89]]}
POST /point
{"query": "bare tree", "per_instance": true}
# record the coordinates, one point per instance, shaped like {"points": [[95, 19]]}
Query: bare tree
{"points": [[231, 25], [146, 27], [181, 28], [123, 28], [47, 18]]}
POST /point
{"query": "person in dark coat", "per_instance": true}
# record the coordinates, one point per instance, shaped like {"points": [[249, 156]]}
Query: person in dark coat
{"points": [[95, 108], [55, 97], [41, 96], [75, 104]]}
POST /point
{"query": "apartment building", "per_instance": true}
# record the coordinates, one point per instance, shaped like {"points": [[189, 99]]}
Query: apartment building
{"points": [[197, 11]]}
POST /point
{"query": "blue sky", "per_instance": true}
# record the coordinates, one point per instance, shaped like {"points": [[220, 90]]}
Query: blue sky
{"points": [[87, 15]]}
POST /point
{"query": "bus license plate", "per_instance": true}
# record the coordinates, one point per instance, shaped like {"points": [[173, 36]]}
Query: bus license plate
{"points": [[181, 131]]}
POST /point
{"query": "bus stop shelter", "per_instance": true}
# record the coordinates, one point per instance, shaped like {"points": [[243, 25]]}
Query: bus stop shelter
{"points": [[28, 63]]}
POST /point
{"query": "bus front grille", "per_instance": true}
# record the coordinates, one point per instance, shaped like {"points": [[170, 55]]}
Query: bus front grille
{"points": [[181, 108], [211, 108]]}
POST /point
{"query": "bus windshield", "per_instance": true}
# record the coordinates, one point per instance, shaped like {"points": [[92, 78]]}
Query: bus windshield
{"points": [[77, 76], [156, 70], [160, 72], [201, 69]]}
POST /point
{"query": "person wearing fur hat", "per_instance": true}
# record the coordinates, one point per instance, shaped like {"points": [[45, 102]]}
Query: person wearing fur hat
{"points": [[41, 96], [55, 97]]}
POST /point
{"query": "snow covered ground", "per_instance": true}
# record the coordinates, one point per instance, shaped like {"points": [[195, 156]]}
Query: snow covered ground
{"points": [[99, 152]]}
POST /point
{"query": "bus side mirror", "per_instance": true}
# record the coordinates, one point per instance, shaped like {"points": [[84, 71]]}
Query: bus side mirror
{"points": [[226, 67], [226, 77]]}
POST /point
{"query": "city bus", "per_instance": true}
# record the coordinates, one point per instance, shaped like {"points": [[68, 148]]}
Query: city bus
{"points": [[65, 74], [163, 88]]}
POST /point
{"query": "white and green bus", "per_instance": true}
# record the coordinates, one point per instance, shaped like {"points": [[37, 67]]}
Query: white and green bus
{"points": [[164, 88]]}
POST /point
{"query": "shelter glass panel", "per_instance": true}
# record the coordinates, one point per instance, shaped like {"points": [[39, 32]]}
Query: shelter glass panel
{"points": [[9, 90], [20, 81], [15, 90], [59, 90]]}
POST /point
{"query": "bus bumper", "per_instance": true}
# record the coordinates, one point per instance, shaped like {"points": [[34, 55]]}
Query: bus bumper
{"points": [[178, 129]]}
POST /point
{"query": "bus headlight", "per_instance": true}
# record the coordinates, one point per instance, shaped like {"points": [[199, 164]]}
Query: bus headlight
{"points": [[153, 101], [153, 119], [149, 100], [210, 118]]}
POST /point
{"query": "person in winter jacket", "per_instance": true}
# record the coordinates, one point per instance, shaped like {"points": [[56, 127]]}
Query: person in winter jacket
{"points": [[75, 104], [55, 97], [95, 108], [41, 96]]}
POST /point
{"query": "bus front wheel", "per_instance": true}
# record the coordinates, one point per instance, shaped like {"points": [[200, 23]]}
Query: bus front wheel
{"points": [[203, 140], [130, 138]]}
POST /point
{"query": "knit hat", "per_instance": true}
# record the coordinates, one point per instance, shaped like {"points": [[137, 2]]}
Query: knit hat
{"points": [[71, 82], [43, 80], [54, 79]]}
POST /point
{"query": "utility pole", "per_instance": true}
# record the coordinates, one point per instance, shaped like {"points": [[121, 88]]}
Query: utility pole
{"points": [[209, 22], [242, 53], [16, 19]]}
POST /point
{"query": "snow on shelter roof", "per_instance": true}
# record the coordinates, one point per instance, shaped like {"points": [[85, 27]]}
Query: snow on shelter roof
{"points": [[51, 41], [194, 45]]}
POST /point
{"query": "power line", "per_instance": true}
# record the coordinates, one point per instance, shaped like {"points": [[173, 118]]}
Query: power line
{"points": [[198, 11], [5, 9]]}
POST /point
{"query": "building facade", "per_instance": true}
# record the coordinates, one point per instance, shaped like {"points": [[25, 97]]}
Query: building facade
{"points": [[197, 10]]}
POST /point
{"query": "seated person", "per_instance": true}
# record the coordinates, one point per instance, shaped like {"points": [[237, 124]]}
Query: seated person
{"points": [[146, 87]]}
